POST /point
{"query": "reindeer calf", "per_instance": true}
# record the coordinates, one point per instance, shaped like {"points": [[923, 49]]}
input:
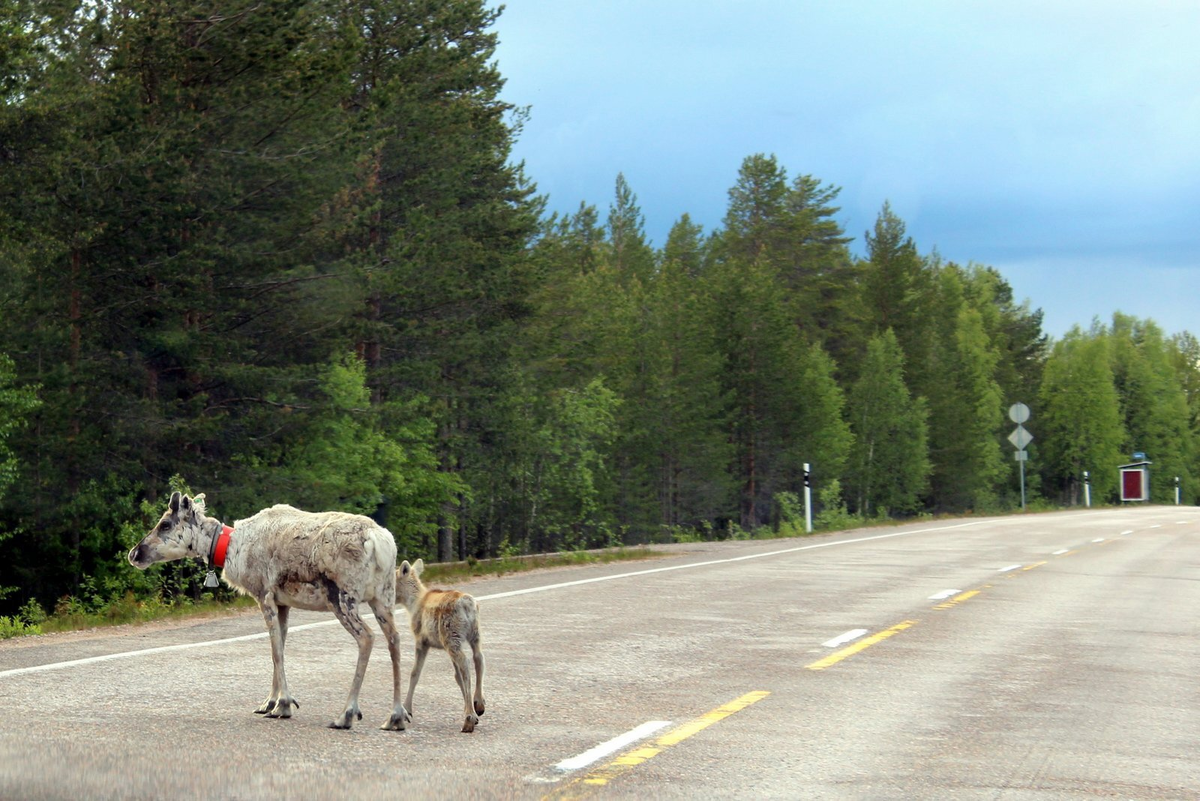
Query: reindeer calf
{"points": [[283, 557], [445, 619]]}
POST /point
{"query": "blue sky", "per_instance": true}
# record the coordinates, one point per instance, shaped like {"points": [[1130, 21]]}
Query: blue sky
{"points": [[1056, 141]]}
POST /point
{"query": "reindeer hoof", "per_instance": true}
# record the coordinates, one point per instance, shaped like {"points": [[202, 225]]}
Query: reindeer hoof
{"points": [[469, 724], [397, 721], [282, 708], [347, 719], [479, 707], [265, 707]]}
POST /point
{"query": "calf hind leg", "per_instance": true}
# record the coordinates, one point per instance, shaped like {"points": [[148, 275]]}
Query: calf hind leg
{"points": [[418, 663], [345, 609], [477, 654], [462, 674]]}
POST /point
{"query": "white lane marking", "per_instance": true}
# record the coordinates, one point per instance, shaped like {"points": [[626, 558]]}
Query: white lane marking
{"points": [[1124, 533], [495, 596], [615, 744], [842, 639], [1156, 525], [1182, 522], [943, 595], [1098, 539], [1009, 568], [1060, 552], [713, 562], [162, 649]]}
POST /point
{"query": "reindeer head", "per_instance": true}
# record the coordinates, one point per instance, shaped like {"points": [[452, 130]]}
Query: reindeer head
{"points": [[408, 582], [176, 534]]}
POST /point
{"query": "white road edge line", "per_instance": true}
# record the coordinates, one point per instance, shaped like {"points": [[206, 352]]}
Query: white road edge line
{"points": [[1009, 569], [943, 595], [615, 744], [544, 588], [842, 639]]}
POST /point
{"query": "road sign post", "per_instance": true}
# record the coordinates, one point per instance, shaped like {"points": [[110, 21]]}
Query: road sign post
{"points": [[1020, 438]]}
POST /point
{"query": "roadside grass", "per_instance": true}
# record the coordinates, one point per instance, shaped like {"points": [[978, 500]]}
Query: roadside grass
{"points": [[503, 565], [141, 610], [72, 616]]}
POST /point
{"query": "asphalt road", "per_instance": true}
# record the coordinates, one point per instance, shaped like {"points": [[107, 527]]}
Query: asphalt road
{"points": [[1033, 657]]}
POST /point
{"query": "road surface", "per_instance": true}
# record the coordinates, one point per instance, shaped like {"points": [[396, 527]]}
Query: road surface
{"points": [[1028, 657]]}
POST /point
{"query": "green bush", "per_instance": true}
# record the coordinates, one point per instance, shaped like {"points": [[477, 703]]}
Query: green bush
{"points": [[16, 627], [833, 515]]}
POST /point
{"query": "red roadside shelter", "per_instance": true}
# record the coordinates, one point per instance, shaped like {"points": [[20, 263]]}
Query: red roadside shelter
{"points": [[1135, 481]]}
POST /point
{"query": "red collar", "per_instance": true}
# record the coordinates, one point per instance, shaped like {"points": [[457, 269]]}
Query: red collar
{"points": [[218, 559]]}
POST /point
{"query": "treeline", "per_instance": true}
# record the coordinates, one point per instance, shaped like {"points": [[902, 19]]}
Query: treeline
{"points": [[279, 251]]}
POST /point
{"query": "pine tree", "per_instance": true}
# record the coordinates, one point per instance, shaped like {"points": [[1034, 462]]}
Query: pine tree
{"points": [[755, 219], [1153, 403], [164, 166], [683, 412], [1080, 423], [630, 254], [895, 293], [889, 464], [441, 222]]}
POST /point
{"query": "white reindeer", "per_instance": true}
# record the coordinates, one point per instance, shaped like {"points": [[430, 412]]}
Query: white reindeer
{"points": [[445, 619], [283, 557]]}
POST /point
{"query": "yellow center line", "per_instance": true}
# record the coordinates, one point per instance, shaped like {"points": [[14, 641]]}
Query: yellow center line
{"points": [[861, 645], [1035, 564], [957, 599], [601, 776]]}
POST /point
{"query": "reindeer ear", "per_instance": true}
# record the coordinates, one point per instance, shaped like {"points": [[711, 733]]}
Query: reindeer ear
{"points": [[199, 503], [186, 504], [174, 504], [418, 566], [404, 568]]}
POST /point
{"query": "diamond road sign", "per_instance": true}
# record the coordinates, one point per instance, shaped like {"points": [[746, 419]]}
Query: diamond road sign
{"points": [[1020, 438]]}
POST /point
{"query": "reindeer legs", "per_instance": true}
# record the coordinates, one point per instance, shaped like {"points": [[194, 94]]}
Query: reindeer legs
{"points": [[280, 702], [462, 674], [345, 608], [400, 715], [418, 664]]}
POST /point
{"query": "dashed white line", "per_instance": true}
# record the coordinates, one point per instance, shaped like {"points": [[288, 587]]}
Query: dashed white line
{"points": [[842, 639], [1098, 539], [1157, 525], [943, 595], [615, 744], [1182, 522], [1060, 552], [1126, 533], [1009, 569]]}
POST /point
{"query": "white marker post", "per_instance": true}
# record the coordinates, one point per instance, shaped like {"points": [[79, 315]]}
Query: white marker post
{"points": [[807, 499], [1087, 490], [1176, 490]]}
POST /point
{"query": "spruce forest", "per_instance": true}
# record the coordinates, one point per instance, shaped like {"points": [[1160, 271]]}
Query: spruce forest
{"points": [[279, 252]]}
